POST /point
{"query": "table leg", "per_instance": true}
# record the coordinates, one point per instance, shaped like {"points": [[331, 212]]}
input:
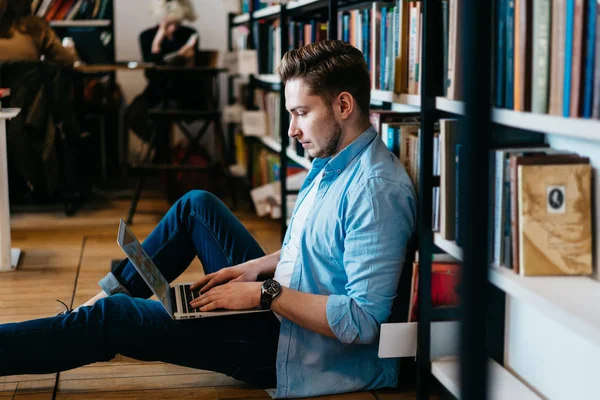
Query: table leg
{"points": [[9, 258]]}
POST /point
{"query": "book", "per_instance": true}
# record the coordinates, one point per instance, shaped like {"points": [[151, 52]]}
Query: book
{"points": [[568, 58], [445, 280], [577, 60], [454, 50], [596, 100], [541, 56], [557, 57], [448, 140], [555, 222], [588, 82], [529, 159]]}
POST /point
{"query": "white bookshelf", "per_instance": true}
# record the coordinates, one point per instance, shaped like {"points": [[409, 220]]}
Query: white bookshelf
{"points": [[451, 106], [571, 301], [391, 97], [242, 18], [81, 23], [268, 78], [502, 385], [301, 3], [276, 146], [267, 12], [449, 246], [550, 124]]}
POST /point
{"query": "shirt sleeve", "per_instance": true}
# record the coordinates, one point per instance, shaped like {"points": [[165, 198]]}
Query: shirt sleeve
{"points": [[53, 50], [380, 221]]}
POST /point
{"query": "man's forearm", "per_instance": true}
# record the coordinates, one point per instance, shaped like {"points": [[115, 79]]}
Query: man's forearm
{"points": [[306, 310], [266, 265]]}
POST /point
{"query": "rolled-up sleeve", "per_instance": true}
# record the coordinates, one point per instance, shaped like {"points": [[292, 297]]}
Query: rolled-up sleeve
{"points": [[379, 223]]}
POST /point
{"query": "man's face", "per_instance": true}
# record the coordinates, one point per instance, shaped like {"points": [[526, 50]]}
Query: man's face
{"points": [[312, 121]]}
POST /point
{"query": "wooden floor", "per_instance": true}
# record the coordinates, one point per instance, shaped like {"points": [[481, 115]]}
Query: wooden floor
{"points": [[63, 258]]}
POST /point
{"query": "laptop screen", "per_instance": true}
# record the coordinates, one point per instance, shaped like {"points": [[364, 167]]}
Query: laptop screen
{"points": [[144, 265]]}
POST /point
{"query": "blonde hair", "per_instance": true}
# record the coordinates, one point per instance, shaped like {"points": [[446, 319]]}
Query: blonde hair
{"points": [[174, 10]]}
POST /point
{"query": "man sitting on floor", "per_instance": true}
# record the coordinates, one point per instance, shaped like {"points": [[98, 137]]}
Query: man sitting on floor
{"points": [[336, 274]]}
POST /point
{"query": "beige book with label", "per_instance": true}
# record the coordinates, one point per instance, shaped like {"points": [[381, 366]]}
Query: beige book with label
{"points": [[555, 224]]}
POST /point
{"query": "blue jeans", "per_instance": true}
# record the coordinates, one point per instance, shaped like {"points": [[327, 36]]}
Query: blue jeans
{"points": [[241, 346]]}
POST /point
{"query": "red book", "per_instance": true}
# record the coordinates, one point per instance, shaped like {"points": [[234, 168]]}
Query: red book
{"points": [[4, 93], [444, 287]]}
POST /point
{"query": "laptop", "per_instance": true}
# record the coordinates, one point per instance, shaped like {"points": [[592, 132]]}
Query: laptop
{"points": [[174, 298]]}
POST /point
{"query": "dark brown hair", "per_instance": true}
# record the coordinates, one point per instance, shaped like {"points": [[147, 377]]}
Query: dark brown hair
{"points": [[16, 14], [328, 68]]}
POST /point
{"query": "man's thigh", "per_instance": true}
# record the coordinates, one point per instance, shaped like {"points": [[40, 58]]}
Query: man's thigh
{"points": [[243, 346]]}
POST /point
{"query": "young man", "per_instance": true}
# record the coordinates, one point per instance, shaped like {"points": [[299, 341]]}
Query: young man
{"points": [[334, 279]]}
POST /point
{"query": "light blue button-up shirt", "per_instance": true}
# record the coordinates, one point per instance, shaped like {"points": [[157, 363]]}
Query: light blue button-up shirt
{"points": [[352, 249]]}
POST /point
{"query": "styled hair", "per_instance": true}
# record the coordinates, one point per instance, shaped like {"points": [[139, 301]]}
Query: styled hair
{"points": [[328, 68], [173, 10], [16, 14]]}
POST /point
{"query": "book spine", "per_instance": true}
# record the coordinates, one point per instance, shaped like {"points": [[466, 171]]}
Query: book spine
{"points": [[510, 55], [596, 103], [570, 19], [383, 47], [366, 39], [500, 52], [576, 69], [541, 55], [588, 85], [445, 44], [557, 57], [457, 191]]}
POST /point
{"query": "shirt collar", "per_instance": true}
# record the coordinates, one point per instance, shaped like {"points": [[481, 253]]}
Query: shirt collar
{"points": [[349, 153]]}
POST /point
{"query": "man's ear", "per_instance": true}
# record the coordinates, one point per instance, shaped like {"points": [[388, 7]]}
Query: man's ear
{"points": [[345, 105]]}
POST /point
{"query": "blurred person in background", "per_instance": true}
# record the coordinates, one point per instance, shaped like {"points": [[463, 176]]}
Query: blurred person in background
{"points": [[25, 37], [167, 43]]}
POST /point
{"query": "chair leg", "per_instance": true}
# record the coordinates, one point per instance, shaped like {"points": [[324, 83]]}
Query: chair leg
{"points": [[136, 199]]}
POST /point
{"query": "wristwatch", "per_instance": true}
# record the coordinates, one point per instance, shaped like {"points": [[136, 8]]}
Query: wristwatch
{"points": [[268, 291]]}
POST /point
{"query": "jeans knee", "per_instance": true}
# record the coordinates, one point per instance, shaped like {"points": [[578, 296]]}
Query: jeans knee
{"points": [[197, 200]]}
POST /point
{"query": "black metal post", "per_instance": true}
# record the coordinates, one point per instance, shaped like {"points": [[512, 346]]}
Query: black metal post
{"points": [[430, 88], [283, 126], [332, 25], [474, 197]]}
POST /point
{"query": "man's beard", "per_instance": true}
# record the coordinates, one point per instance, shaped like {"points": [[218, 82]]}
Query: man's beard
{"points": [[332, 145]]}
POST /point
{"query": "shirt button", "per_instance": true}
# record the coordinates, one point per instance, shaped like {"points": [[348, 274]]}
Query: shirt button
{"points": [[339, 171]]}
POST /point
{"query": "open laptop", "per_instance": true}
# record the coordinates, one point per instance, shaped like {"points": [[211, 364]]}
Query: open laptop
{"points": [[175, 298]]}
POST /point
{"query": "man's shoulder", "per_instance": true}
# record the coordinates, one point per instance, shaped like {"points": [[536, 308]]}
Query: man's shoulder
{"points": [[378, 165]]}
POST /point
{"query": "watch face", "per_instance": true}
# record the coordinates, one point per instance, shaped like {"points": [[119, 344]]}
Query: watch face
{"points": [[271, 287]]}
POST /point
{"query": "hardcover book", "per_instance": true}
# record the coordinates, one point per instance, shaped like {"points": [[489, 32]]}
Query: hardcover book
{"points": [[555, 223]]}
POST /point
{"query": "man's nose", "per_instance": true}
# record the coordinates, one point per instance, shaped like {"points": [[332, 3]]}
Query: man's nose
{"points": [[293, 131]]}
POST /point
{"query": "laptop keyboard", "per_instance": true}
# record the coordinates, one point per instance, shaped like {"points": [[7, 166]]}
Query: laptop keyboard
{"points": [[187, 296]]}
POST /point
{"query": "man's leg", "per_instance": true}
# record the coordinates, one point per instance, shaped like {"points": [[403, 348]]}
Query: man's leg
{"points": [[198, 224], [242, 346]]}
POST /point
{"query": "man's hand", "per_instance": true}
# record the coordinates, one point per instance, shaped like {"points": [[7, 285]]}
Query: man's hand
{"points": [[239, 273], [232, 296]]}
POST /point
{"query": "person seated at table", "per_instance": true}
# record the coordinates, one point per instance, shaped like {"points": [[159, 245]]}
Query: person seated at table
{"points": [[25, 37], [168, 43]]}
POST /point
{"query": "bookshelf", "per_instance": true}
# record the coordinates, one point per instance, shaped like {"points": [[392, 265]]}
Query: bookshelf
{"points": [[91, 23], [276, 147], [504, 385], [451, 106], [481, 370]]}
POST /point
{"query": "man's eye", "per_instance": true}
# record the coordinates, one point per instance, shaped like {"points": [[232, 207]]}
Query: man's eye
{"points": [[301, 114]]}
